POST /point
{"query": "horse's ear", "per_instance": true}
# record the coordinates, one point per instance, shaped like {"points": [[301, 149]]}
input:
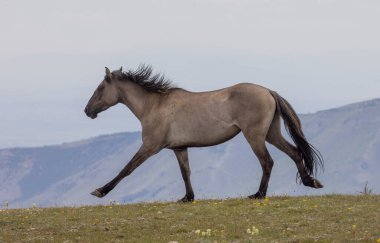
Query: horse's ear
{"points": [[108, 74], [121, 69]]}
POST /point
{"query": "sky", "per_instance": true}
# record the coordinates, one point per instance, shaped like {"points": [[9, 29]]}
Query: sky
{"points": [[318, 54]]}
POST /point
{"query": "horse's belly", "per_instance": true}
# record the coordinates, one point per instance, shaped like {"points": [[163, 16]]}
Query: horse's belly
{"points": [[199, 135]]}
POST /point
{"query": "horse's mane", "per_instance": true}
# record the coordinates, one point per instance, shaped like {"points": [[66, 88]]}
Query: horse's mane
{"points": [[142, 76]]}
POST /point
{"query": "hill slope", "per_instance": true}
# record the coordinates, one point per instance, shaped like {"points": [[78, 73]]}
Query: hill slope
{"points": [[348, 137], [281, 219]]}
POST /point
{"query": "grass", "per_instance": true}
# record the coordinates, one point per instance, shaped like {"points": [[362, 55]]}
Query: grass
{"points": [[278, 219]]}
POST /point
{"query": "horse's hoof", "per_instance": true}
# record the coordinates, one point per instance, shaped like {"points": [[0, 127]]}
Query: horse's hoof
{"points": [[258, 195], [317, 184], [186, 199], [311, 182], [97, 193]]}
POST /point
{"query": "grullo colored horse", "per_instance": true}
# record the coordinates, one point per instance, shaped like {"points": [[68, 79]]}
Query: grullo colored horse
{"points": [[176, 119]]}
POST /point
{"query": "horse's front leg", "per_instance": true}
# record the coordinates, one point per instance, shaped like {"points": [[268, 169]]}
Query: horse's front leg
{"points": [[143, 154], [183, 161]]}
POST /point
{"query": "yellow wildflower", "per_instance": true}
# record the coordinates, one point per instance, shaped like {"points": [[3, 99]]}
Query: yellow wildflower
{"points": [[255, 230], [378, 240], [197, 231]]}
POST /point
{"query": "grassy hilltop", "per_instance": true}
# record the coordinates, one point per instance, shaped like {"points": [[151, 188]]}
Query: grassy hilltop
{"points": [[323, 218]]}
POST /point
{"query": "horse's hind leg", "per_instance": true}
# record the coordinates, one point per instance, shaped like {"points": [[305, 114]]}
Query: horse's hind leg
{"points": [[258, 146], [275, 138], [255, 129]]}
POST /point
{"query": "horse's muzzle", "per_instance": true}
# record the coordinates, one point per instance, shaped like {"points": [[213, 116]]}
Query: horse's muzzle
{"points": [[92, 115]]}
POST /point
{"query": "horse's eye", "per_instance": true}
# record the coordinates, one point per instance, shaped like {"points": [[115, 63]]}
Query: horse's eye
{"points": [[100, 88]]}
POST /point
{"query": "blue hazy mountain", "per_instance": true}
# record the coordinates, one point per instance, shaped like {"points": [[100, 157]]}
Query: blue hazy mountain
{"points": [[348, 137]]}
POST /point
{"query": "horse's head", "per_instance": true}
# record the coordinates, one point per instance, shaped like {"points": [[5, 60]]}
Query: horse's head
{"points": [[105, 96]]}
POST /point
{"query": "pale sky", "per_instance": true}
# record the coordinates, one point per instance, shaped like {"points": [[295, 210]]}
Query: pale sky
{"points": [[317, 54]]}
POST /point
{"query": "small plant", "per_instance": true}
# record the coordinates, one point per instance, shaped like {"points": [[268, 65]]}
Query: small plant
{"points": [[6, 205], [366, 190]]}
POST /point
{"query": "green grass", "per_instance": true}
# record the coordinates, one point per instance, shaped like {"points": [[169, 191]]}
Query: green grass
{"points": [[278, 219]]}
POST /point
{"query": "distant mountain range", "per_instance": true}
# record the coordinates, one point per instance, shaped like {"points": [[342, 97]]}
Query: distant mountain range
{"points": [[348, 137]]}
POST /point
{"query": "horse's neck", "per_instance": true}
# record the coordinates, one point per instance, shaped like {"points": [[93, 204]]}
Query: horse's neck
{"points": [[134, 97]]}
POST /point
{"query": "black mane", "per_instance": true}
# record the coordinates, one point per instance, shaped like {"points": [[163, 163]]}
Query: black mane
{"points": [[143, 76]]}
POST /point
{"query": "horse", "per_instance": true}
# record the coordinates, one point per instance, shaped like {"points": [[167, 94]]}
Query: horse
{"points": [[176, 119]]}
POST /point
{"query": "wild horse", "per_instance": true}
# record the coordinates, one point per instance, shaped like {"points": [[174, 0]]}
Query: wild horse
{"points": [[176, 119]]}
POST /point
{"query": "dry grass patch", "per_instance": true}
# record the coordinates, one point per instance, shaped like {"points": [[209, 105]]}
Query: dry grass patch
{"points": [[283, 219]]}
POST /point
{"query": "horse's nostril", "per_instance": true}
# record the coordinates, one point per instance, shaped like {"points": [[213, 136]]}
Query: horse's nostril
{"points": [[86, 110]]}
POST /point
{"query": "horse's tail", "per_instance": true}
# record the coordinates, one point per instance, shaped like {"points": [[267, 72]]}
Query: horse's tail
{"points": [[312, 158]]}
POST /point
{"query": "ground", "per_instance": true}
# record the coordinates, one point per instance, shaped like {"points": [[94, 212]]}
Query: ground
{"points": [[276, 219]]}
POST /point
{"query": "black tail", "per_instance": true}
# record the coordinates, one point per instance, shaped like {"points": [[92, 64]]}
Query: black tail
{"points": [[312, 158]]}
